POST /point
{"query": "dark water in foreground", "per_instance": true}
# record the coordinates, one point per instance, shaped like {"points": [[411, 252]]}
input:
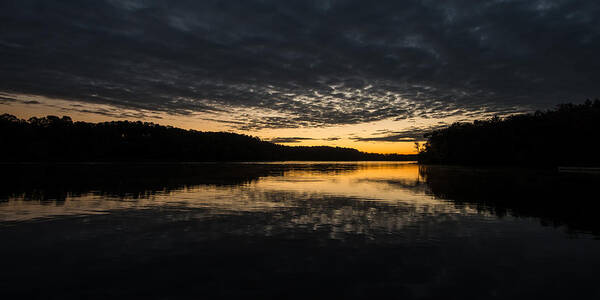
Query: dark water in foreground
{"points": [[297, 230]]}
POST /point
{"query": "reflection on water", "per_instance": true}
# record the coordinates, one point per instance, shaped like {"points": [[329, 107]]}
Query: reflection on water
{"points": [[364, 228], [327, 193]]}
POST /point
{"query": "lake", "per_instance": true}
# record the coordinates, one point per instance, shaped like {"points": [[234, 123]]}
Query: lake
{"points": [[297, 230]]}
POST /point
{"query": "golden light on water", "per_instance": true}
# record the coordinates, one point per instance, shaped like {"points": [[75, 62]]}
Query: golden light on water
{"points": [[389, 183]]}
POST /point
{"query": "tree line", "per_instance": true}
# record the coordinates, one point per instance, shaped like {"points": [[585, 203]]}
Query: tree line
{"points": [[59, 139], [568, 135]]}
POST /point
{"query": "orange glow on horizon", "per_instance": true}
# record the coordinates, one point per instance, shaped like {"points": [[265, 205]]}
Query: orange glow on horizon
{"points": [[335, 135]]}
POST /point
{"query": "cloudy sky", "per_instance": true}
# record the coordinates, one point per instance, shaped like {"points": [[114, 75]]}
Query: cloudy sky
{"points": [[373, 75]]}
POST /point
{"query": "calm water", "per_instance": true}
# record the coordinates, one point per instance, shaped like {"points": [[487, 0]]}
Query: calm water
{"points": [[297, 230]]}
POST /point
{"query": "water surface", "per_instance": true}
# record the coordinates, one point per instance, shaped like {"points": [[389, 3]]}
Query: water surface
{"points": [[297, 230]]}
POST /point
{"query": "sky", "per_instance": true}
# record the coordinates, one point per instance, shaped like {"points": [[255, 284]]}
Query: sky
{"points": [[372, 75]]}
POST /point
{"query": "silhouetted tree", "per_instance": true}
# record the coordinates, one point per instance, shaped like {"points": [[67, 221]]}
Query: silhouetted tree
{"points": [[60, 139], [541, 138]]}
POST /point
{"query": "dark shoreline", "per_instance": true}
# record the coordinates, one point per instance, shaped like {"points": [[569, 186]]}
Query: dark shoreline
{"points": [[195, 162], [60, 139], [566, 136]]}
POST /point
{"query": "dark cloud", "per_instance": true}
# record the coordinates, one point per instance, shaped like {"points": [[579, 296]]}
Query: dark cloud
{"points": [[389, 138], [412, 134], [7, 100], [305, 63], [286, 140]]}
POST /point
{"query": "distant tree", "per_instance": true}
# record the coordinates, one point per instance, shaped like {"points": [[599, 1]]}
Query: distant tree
{"points": [[54, 138], [418, 147]]}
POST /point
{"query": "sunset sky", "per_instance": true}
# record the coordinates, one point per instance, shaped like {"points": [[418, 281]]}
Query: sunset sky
{"points": [[373, 75]]}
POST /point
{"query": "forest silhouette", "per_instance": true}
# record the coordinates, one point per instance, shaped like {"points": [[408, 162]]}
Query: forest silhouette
{"points": [[565, 136], [54, 139]]}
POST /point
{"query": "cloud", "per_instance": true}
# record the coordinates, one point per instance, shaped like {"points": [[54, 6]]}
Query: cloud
{"points": [[7, 100], [411, 134], [304, 63], [389, 138], [286, 140]]}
